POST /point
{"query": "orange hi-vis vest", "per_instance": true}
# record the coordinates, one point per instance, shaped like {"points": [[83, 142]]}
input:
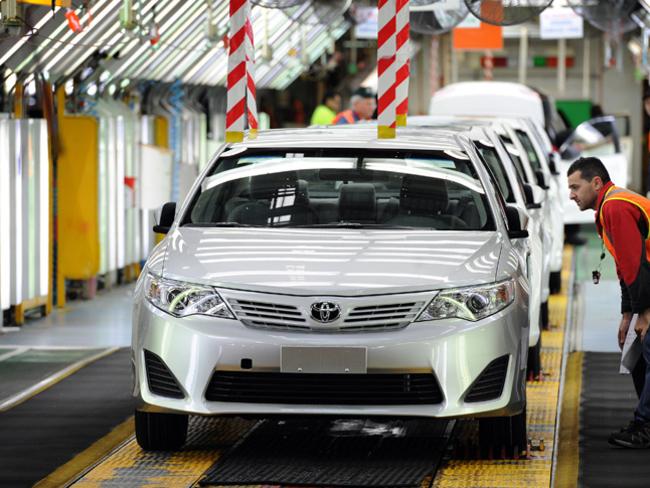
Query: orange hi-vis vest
{"points": [[617, 193]]}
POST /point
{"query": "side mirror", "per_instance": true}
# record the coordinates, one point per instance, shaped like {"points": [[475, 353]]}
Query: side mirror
{"points": [[167, 215], [552, 166], [529, 195], [517, 220], [542, 179]]}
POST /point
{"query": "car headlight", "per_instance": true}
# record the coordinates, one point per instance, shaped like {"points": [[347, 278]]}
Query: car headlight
{"points": [[182, 299], [473, 303]]}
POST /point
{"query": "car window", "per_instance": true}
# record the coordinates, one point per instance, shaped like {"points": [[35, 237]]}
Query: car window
{"points": [[497, 171], [387, 189], [530, 149], [593, 138], [516, 160]]}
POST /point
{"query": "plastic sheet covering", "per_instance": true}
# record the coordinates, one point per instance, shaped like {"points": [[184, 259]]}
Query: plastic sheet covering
{"points": [[24, 212], [119, 166]]}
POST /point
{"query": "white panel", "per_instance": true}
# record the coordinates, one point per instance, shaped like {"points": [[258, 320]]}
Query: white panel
{"points": [[5, 205], [121, 194], [43, 239], [156, 177], [16, 206]]}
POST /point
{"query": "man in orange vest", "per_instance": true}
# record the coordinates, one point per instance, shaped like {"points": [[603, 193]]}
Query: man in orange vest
{"points": [[362, 106], [623, 223]]}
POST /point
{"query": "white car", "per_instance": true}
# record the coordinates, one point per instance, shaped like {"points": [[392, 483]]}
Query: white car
{"points": [[516, 102], [514, 190], [325, 272]]}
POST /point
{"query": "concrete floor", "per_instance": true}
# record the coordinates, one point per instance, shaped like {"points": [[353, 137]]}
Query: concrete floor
{"points": [[102, 322]]}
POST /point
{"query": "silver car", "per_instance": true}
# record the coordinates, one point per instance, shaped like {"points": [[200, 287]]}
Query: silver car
{"points": [[325, 272]]}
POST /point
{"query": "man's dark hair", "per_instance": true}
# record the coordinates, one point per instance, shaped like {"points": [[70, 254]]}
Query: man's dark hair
{"points": [[589, 167], [329, 94]]}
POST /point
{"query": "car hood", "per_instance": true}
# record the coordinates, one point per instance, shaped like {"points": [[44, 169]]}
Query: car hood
{"points": [[334, 262]]}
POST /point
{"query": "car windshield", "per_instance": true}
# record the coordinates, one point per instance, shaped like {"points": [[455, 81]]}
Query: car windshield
{"points": [[354, 188]]}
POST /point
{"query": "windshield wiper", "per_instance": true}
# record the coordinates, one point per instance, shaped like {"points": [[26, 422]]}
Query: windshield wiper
{"points": [[217, 224], [353, 225]]}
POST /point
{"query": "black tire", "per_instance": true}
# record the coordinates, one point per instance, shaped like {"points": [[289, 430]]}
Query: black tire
{"points": [[160, 431], [503, 437], [534, 366], [555, 282]]}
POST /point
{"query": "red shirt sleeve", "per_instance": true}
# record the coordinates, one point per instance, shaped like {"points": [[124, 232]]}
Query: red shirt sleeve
{"points": [[621, 224]]}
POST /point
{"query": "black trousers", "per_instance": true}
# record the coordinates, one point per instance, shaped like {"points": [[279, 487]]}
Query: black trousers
{"points": [[638, 376]]}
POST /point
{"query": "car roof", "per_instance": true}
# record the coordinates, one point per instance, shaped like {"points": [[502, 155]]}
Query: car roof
{"points": [[357, 136], [487, 98]]}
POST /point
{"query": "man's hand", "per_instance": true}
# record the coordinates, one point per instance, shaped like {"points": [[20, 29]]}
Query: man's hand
{"points": [[642, 323], [623, 327]]}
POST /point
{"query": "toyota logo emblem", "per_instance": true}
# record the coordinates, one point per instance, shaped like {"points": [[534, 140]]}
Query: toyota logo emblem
{"points": [[325, 312]]}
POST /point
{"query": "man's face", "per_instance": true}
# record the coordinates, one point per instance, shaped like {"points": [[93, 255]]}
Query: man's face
{"points": [[583, 192], [365, 107], [334, 103]]}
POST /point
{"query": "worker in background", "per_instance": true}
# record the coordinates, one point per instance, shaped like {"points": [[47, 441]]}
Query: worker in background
{"points": [[623, 223], [362, 106], [324, 114]]}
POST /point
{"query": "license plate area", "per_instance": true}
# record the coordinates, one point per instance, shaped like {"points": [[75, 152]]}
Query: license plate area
{"points": [[324, 360]]}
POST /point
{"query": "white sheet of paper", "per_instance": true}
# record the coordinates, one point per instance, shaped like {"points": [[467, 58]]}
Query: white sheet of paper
{"points": [[632, 351]]}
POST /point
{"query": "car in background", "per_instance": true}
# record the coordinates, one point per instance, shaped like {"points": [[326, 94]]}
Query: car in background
{"points": [[325, 272], [498, 160], [531, 115]]}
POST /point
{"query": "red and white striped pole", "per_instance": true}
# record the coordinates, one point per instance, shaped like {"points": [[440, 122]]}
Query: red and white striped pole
{"points": [[237, 77], [386, 69], [403, 61], [250, 80]]}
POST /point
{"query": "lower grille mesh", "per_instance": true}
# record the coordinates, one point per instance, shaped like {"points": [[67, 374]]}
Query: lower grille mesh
{"points": [[161, 381], [324, 389], [490, 382]]}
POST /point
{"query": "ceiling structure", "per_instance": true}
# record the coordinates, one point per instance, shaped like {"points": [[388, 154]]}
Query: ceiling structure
{"points": [[287, 42]]}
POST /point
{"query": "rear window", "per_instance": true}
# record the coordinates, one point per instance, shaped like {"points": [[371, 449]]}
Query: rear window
{"points": [[342, 188]]}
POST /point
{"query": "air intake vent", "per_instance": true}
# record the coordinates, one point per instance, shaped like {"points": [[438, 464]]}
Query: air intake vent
{"points": [[161, 381], [324, 389], [489, 384]]}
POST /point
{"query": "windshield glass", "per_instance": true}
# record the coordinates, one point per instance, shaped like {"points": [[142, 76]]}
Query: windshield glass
{"points": [[530, 149], [342, 188]]}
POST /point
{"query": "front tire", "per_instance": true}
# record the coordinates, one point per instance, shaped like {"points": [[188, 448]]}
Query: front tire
{"points": [[534, 366], [503, 437], [160, 431]]}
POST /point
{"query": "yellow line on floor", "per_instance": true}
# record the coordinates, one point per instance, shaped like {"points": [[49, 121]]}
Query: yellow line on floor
{"points": [[51, 380], [74, 468], [568, 457]]}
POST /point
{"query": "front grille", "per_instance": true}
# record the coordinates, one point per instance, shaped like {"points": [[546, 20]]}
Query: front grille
{"points": [[282, 316], [161, 381], [382, 316], [262, 314], [490, 382], [324, 389]]}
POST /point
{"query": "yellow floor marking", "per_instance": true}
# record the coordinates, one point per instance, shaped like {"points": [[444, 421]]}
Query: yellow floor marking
{"points": [[542, 398], [568, 458], [131, 466], [78, 464]]}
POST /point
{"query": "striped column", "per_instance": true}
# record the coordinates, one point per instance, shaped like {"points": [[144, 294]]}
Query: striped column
{"points": [[386, 69], [237, 78], [250, 80], [403, 62]]}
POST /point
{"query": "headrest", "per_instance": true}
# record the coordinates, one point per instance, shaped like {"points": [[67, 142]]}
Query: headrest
{"points": [[273, 185], [302, 193], [423, 196], [357, 203]]}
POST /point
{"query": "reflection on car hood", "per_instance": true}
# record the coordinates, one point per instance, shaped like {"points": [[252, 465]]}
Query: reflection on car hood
{"points": [[343, 262]]}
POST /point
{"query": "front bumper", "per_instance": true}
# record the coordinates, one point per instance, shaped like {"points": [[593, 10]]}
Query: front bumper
{"points": [[455, 351]]}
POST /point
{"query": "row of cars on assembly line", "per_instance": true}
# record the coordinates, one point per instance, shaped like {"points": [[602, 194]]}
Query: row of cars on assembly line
{"points": [[323, 271]]}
